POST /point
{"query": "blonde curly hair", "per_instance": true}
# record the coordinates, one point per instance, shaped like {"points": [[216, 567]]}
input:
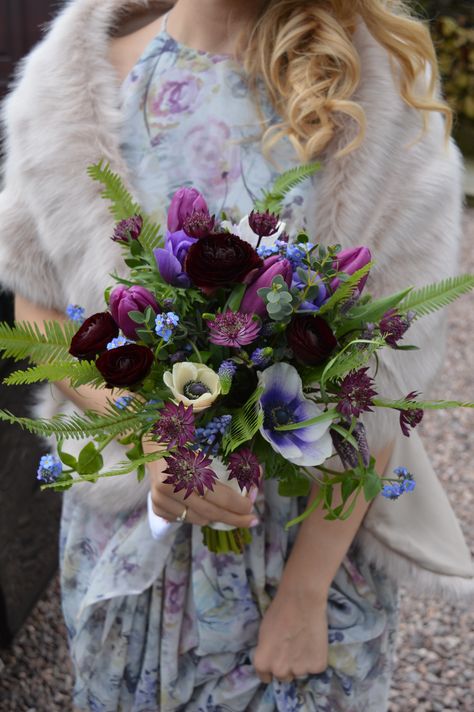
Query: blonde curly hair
{"points": [[304, 52]]}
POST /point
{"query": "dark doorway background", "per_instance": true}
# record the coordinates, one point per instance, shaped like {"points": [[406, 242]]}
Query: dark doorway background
{"points": [[29, 519]]}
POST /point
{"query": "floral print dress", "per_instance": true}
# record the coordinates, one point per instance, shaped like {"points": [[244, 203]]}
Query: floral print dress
{"points": [[165, 625]]}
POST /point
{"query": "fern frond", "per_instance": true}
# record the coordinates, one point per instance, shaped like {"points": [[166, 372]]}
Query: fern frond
{"points": [[354, 356], [346, 289], [403, 404], [78, 373], [436, 296], [123, 204], [288, 180], [114, 422], [25, 340], [244, 424]]}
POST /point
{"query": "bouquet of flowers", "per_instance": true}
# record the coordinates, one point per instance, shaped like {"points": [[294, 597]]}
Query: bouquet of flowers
{"points": [[243, 351]]}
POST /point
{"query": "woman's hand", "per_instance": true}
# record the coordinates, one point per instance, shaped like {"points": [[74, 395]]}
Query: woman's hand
{"points": [[222, 505], [293, 638]]}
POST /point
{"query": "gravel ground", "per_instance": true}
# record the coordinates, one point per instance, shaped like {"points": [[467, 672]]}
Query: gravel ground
{"points": [[435, 670]]}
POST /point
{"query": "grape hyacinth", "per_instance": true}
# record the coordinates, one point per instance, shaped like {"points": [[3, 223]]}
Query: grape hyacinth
{"points": [[50, 469], [356, 393], [165, 325], [189, 470], [175, 426], [209, 435], [233, 329], [123, 402], [261, 358], [226, 373], [245, 468], [348, 454], [75, 313]]}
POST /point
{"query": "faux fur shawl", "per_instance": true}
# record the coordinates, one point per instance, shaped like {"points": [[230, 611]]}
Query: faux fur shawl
{"points": [[400, 196]]}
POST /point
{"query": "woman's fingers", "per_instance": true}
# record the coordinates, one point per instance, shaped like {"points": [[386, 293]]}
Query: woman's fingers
{"points": [[169, 509]]}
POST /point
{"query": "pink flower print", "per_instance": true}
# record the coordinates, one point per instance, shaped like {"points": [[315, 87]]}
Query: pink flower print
{"points": [[214, 154], [178, 94]]}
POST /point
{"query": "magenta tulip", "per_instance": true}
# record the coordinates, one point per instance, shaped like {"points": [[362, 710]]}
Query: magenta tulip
{"points": [[273, 266], [349, 261], [124, 300], [184, 203]]}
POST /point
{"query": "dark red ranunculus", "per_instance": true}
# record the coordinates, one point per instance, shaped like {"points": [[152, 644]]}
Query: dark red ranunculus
{"points": [[93, 336], [219, 260], [125, 365], [310, 339]]}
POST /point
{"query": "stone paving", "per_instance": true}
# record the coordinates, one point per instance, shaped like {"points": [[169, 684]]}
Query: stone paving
{"points": [[435, 669]]}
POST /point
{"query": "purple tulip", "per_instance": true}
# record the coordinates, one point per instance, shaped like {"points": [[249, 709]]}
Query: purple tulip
{"points": [[349, 261], [170, 258], [183, 204], [126, 299], [252, 303]]}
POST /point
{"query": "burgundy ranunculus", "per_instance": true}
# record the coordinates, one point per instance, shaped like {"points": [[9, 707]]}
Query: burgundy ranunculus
{"points": [[220, 260], [310, 339], [93, 336], [125, 365]]}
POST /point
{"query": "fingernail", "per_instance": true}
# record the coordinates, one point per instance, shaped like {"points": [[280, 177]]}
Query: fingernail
{"points": [[253, 494], [255, 522]]}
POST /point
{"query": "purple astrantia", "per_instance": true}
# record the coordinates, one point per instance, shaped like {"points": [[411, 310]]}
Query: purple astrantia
{"points": [[356, 393], [175, 426], [170, 258], [128, 229], [283, 402], [264, 224], [184, 203], [393, 326], [199, 224], [233, 329], [189, 470], [410, 418], [245, 468]]}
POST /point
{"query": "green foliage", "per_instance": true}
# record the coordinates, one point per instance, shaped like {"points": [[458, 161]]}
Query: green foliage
{"points": [[90, 460], [123, 205], [346, 289], [114, 422], [273, 199], [78, 372], [436, 296], [25, 340], [403, 404], [292, 483], [375, 309], [245, 423], [354, 356], [278, 299]]}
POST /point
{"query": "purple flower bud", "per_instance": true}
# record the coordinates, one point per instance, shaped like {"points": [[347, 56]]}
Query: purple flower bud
{"points": [[199, 224], [273, 266], [128, 229], [184, 203], [126, 299], [349, 261], [393, 327]]}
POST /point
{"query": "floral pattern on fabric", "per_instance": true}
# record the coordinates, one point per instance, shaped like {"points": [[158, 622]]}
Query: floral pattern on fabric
{"points": [[164, 626]]}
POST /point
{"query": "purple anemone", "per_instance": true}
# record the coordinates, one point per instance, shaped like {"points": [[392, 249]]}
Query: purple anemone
{"points": [[283, 402], [170, 258]]}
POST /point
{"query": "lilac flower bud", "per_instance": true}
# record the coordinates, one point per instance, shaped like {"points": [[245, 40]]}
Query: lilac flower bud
{"points": [[126, 299]]}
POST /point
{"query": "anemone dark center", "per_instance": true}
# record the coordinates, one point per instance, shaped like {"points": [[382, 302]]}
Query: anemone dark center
{"points": [[281, 415], [195, 389]]}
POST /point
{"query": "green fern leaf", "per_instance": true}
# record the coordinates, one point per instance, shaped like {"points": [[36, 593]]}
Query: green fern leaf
{"points": [[436, 296], [25, 340], [403, 404], [79, 373], [272, 200], [245, 423], [354, 356], [77, 426], [123, 204], [346, 289]]}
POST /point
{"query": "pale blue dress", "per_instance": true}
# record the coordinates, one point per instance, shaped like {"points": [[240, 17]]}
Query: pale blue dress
{"points": [[166, 625]]}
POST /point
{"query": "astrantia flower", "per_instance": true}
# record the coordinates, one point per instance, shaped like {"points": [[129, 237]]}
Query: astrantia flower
{"points": [[199, 224], [245, 232], [245, 468], [115, 343], [193, 384], [264, 224], [410, 418], [128, 229], [189, 470], [393, 327], [75, 313], [233, 329], [165, 325], [175, 426], [50, 468], [283, 402], [356, 393]]}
